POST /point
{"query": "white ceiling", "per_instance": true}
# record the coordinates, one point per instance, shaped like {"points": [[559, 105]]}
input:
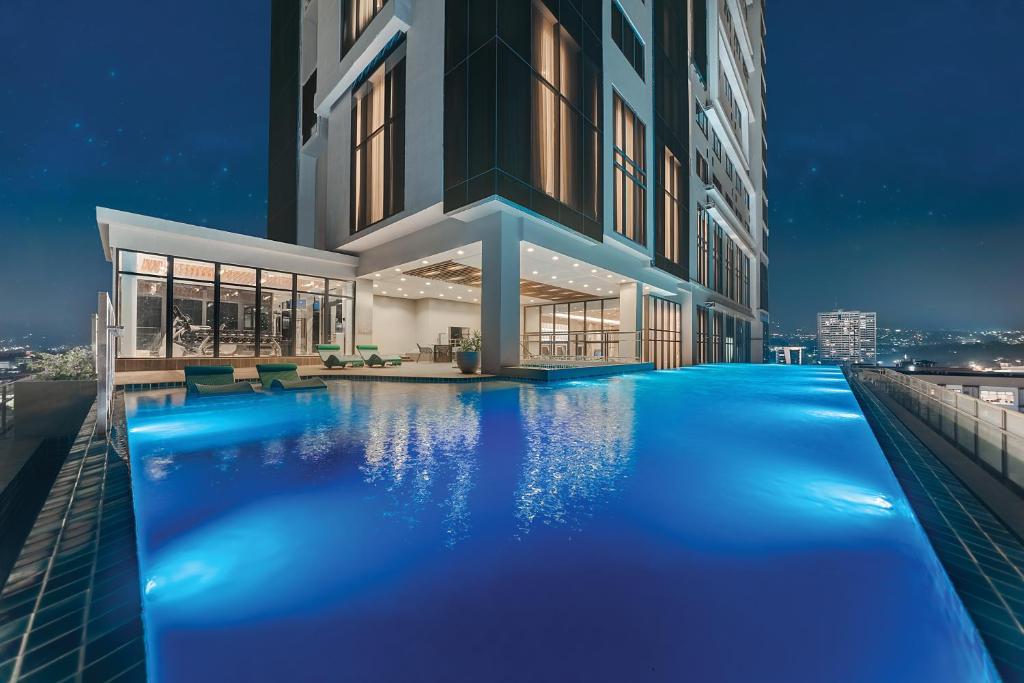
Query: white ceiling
{"points": [[535, 263]]}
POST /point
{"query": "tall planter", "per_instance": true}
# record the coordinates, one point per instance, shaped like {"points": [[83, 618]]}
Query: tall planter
{"points": [[469, 362]]}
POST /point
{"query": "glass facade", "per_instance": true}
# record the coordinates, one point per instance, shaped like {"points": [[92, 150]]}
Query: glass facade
{"points": [[629, 177], [579, 329], [721, 338], [185, 308], [378, 141], [522, 108], [356, 15], [672, 99], [663, 333]]}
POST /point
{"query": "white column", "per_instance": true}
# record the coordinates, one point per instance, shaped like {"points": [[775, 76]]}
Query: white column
{"points": [[363, 333], [499, 304], [631, 315], [686, 312]]}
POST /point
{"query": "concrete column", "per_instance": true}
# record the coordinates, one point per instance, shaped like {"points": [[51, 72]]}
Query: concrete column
{"points": [[631, 313], [499, 303], [363, 333], [686, 325]]}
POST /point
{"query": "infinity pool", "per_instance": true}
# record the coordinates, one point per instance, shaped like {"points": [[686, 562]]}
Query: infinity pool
{"points": [[717, 523]]}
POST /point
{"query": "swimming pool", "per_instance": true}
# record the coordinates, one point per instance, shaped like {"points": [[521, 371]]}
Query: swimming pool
{"points": [[727, 523]]}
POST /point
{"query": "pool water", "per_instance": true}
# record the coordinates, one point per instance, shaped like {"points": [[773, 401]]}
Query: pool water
{"points": [[715, 523]]}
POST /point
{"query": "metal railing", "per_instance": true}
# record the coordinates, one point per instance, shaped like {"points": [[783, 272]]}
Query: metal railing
{"points": [[580, 348], [6, 406], [991, 435]]}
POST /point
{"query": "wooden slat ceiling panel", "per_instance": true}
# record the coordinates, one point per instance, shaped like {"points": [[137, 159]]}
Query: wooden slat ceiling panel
{"points": [[471, 276]]}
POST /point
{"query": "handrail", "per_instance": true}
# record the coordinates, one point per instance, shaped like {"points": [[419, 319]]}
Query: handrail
{"points": [[582, 346], [991, 435]]}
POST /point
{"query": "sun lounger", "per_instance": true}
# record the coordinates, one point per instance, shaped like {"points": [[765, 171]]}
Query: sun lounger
{"points": [[285, 376], [374, 359], [214, 380], [332, 357]]}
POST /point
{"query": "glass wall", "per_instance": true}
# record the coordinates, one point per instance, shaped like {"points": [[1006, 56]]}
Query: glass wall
{"points": [[577, 329], [663, 333], [185, 308]]}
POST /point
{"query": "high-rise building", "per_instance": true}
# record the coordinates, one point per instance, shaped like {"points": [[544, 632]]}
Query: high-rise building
{"points": [[580, 179], [847, 337]]}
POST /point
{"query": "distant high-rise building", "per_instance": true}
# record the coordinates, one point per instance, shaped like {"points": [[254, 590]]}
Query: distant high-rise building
{"points": [[847, 337]]}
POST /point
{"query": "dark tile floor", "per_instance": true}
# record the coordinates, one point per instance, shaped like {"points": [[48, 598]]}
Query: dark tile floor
{"points": [[71, 607], [983, 558]]}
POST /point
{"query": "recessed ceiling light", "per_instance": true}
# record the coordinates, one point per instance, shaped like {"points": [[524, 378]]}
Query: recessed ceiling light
{"points": [[587, 286], [442, 294], [421, 291], [529, 249], [531, 301], [425, 262], [593, 270], [458, 297], [534, 272], [405, 295], [554, 258], [399, 289], [398, 270], [609, 276], [575, 265], [376, 274], [428, 284], [623, 281], [374, 284], [469, 290], [402, 279], [451, 286], [383, 292], [570, 282], [554, 277], [599, 289], [460, 252]]}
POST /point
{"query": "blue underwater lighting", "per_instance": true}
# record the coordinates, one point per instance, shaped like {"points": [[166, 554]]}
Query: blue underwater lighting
{"points": [[711, 523]]}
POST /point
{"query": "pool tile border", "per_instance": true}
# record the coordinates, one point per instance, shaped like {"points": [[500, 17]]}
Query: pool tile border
{"points": [[71, 609], [984, 559]]}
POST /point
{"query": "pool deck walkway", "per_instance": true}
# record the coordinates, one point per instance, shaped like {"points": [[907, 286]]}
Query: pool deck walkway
{"points": [[406, 372], [983, 557]]}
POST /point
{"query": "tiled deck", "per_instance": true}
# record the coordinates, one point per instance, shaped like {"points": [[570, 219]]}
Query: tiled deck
{"points": [[406, 372], [983, 558], [71, 608]]}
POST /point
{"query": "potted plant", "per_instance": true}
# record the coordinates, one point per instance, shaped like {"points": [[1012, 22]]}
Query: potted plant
{"points": [[469, 353]]}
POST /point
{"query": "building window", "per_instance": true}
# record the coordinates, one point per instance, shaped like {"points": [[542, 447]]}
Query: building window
{"points": [[630, 173], [309, 118], [702, 167], [716, 144], [671, 214], [378, 136], [702, 118], [625, 36], [355, 17], [663, 333]]}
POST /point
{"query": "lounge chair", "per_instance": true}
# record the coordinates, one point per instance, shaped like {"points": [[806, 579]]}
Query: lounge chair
{"points": [[213, 380], [285, 376], [375, 360], [332, 357], [427, 351]]}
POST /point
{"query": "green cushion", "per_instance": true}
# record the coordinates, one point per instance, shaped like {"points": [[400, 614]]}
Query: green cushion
{"points": [[295, 385], [222, 389], [328, 347], [366, 347], [268, 372], [208, 375]]}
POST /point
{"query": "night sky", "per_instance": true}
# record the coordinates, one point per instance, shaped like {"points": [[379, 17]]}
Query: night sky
{"points": [[895, 138]]}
